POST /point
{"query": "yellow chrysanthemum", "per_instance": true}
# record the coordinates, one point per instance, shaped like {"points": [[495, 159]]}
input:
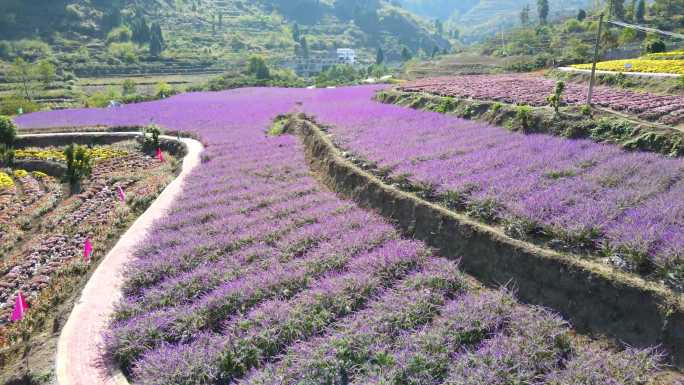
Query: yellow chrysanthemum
{"points": [[639, 65], [20, 173], [6, 181]]}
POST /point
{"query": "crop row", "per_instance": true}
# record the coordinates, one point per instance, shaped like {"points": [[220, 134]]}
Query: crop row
{"points": [[261, 276], [576, 194], [533, 90]]}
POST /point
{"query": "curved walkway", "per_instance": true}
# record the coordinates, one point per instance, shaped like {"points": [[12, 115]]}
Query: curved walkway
{"points": [[79, 349]]}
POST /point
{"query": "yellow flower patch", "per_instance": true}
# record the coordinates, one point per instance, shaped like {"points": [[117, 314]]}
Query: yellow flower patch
{"points": [[39, 175], [97, 153], [665, 55], [639, 65], [6, 182], [20, 173]]}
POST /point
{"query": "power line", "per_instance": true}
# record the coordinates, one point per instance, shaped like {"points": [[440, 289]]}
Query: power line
{"points": [[646, 29]]}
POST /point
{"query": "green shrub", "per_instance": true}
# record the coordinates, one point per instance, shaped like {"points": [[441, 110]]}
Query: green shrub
{"points": [[103, 98], [556, 98], [586, 110], [121, 34], [496, 107], [278, 126], [523, 114], [486, 210], [79, 165], [6, 155], [150, 142], [655, 46], [11, 105], [8, 131], [126, 52], [446, 104], [164, 90], [258, 68], [128, 87]]}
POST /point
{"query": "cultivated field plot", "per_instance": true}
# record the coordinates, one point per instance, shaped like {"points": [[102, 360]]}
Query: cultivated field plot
{"points": [[659, 65], [43, 228], [260, 276], [533, 90], [577, 194]]}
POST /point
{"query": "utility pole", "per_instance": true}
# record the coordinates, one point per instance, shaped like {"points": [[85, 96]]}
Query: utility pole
{"points": [[593, 66]]}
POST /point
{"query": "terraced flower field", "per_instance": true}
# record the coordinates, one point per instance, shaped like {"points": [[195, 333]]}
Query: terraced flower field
{"points": [[43, 229], [533, 90], [638, 65], [261, 276], [575, 194]]}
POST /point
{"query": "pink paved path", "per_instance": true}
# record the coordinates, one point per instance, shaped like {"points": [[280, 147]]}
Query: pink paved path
{"points": [[79, 353]]}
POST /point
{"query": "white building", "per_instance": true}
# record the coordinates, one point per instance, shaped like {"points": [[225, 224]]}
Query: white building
{"points": [[346, 55]]}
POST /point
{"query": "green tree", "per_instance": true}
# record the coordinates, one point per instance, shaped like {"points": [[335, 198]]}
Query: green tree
{"points": [[640, 13], [24, 73], [655, 46], [296, 33], [556, 98], [79, 165], [8, 131], [140, 30], [156, 41], [617, 8], [525, 15], [128, 87], [543, 11], [439, 27], [303, 48], [46, 72], [631, 9], [406, 54], [258, 68], [379, 56], [581, 15]]}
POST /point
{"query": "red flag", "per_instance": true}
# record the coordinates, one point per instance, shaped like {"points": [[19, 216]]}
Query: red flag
{"points": [[87, 250], [121, 194], [160, 156], [20, 308]]}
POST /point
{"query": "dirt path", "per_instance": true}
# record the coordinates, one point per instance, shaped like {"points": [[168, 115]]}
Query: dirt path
{"points": [[79, 350]]}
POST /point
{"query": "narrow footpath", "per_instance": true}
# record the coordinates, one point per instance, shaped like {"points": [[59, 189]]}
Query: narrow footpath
{"points": [[79, 350]]}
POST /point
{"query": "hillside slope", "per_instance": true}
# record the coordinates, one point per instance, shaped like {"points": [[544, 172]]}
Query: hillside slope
{"points": [[481, 18], [216, 31]]}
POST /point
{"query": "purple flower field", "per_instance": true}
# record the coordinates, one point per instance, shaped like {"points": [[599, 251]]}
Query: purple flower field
{"points": [[582, 195], [532, 90], [261, 276]]}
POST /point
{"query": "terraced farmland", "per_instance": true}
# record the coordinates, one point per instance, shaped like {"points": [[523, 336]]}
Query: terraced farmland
{"points": [[262, 276], [44, 227], [525, 89]]}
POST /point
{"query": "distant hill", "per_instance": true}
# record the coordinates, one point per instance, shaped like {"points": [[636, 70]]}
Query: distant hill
{"points": [[79, 32], [481, 18]]}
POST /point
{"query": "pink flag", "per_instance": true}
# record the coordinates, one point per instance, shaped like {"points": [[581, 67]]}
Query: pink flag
{"points": [[121, 194], [160, 156], [87, 250], [20, 308]]}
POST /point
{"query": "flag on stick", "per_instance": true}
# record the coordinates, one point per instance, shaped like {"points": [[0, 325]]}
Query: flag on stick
{"points": [[121, 194], [87, 250], [160, 156], [20, 308]]}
